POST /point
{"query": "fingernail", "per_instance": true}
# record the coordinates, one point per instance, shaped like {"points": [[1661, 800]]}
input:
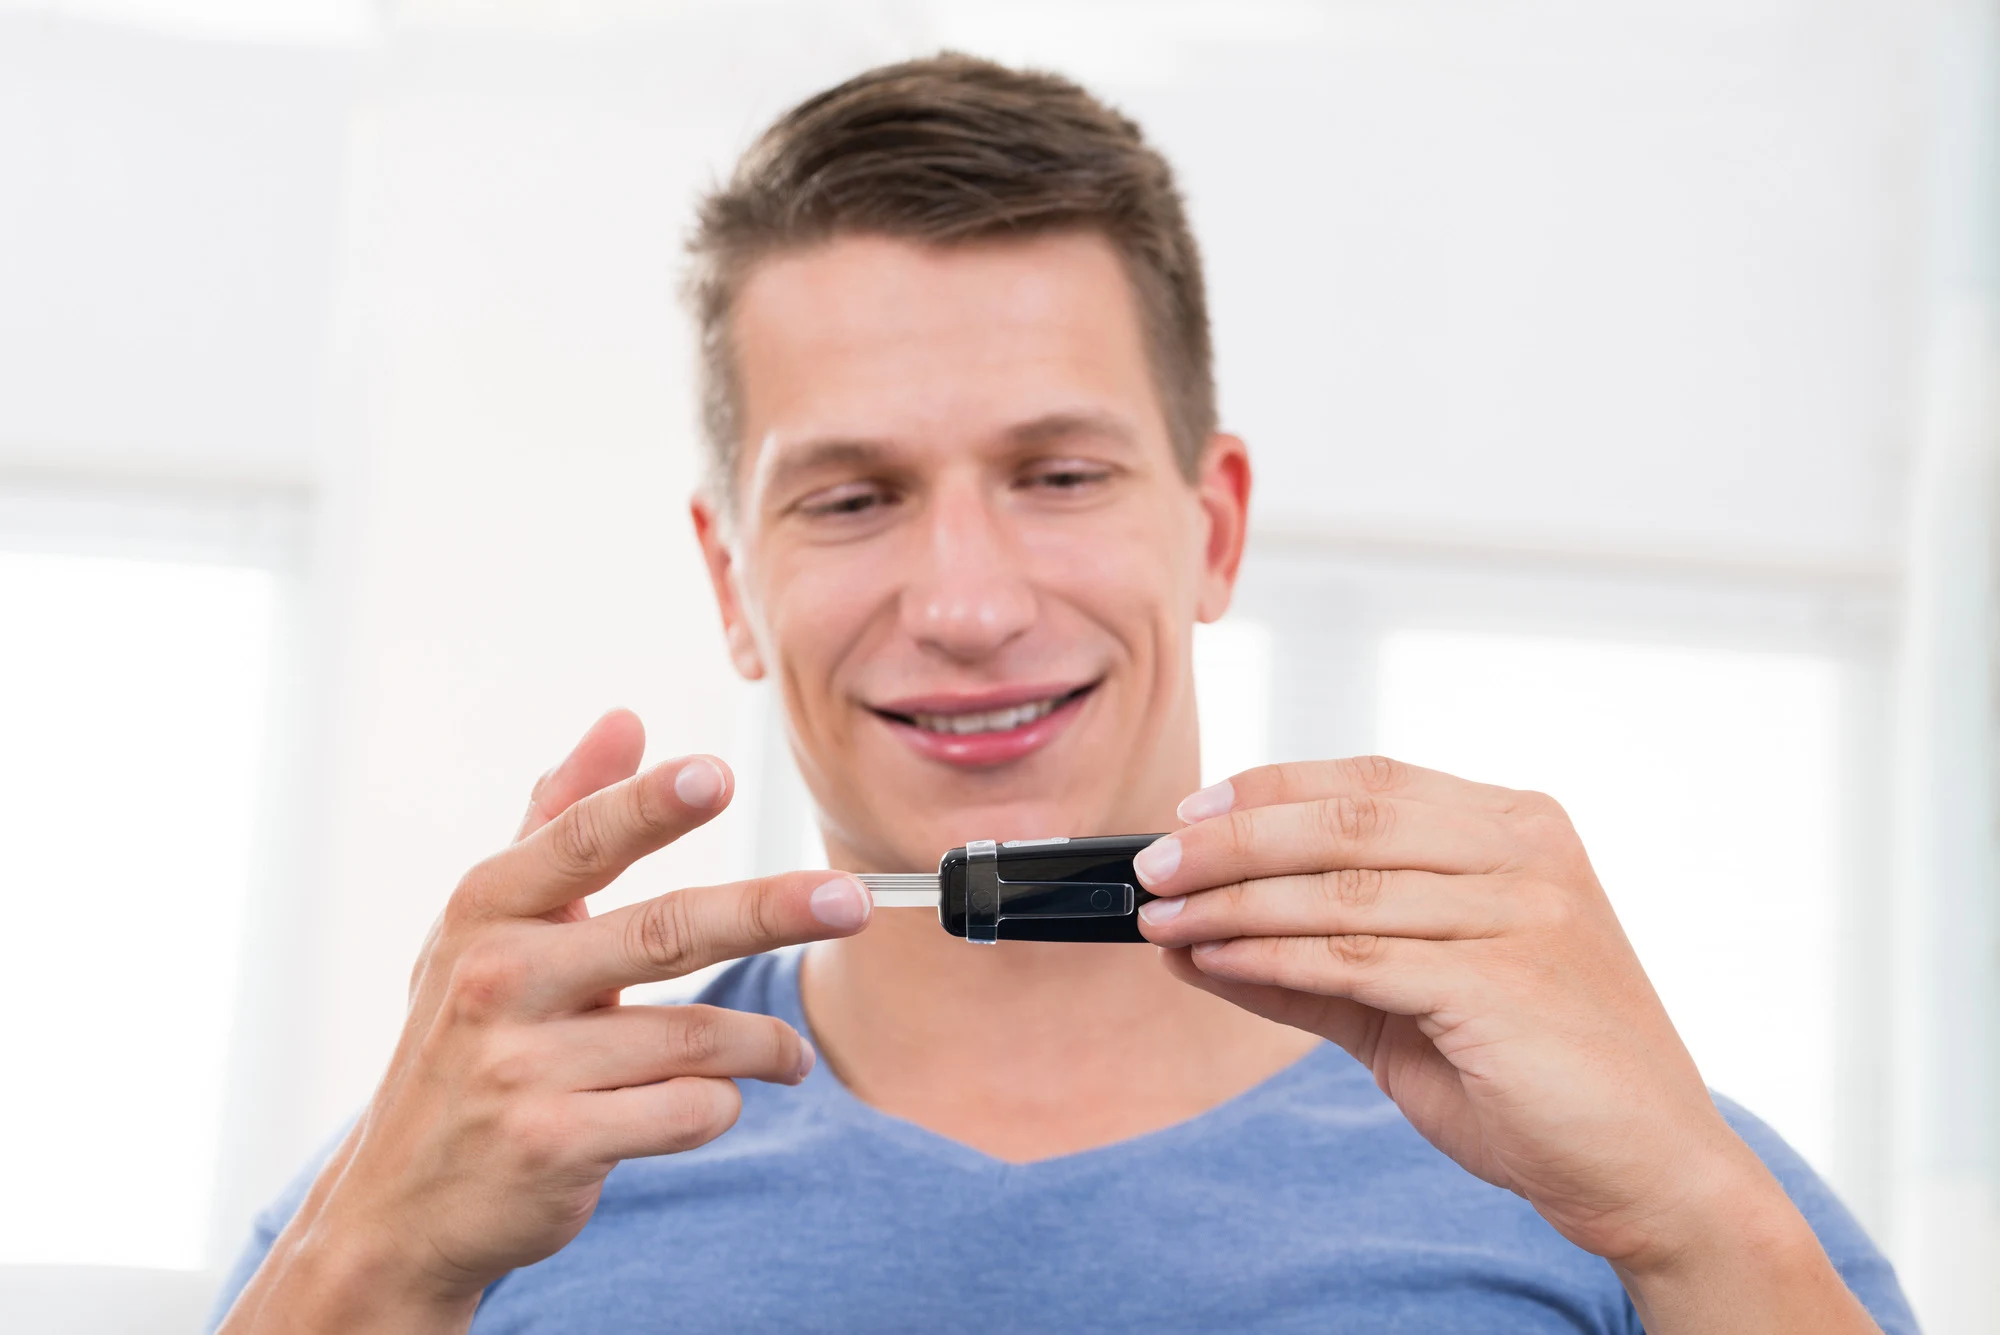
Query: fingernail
{"points": [[1158, 860], [807, 1059], [1208, 947], [1213, 800], [699, 784], [841, 904], [1157, 911]]}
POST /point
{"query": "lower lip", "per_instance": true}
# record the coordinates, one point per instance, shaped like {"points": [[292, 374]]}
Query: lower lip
{"points": [[980, 750]]}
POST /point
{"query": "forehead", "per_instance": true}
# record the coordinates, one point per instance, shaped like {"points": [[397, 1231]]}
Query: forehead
{"points": [[874, 338]]}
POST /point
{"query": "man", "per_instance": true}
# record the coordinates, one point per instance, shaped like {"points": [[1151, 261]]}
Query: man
{"points": [[1391, 1063]]}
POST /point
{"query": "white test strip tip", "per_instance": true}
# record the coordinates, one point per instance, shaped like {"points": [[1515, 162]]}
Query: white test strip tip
{"points": [[902, 890]]}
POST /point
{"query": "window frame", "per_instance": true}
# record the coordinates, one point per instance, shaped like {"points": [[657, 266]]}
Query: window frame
{"points": [[265, 525]]}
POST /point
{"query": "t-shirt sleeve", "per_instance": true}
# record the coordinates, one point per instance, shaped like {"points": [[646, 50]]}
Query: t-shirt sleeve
{"points": [[269, 1224], [1860, 1262]]}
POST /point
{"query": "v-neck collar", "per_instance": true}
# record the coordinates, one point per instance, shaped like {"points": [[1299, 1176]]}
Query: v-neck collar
{"points": [[838, 1103]]}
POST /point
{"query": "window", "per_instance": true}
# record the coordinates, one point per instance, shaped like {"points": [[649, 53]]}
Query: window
{"points": [[132, 708], [1705, 784]]}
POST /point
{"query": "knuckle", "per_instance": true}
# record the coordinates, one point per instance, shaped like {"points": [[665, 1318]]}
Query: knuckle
{"points": [[1550, 834], [576, 839], [1559, 912], [663, 935], [537, 1136], [699, 1038], [1233, 899], [1540, 814], [1544, 805], [509, 1068], [473, 891], [1355, 951], [757, 916], [1375, 774], [483, 980], [1281, 781], [1351, 819], [1354, 887], [1239, 834]]}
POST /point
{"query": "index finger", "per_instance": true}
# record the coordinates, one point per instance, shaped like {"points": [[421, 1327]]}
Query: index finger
{"points": [[592, 841], [1326, 834], [685, 930], [1353, 776]]}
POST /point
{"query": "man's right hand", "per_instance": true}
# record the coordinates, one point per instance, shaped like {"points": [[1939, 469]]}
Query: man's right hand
{"points": [[519, 1081]]}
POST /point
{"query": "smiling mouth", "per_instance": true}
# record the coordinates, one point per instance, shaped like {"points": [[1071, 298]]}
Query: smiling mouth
{"points": [[973, 723]]}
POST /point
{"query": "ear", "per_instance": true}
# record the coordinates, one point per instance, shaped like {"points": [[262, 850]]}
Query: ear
{"points": [[708, 531], [1223, 489]]}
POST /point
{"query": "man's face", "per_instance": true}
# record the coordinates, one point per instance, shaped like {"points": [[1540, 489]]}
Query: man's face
{"points": [[962, 543]]}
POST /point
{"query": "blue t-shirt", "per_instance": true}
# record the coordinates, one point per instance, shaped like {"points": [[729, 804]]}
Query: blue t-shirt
{"points": [[1305, 1204]]}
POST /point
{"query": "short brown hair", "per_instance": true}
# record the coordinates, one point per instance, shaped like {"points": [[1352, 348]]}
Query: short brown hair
{"points": [[948, 149]]}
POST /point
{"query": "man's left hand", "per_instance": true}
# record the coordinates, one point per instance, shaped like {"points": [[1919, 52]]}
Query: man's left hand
{"points": [[1453, 938]]}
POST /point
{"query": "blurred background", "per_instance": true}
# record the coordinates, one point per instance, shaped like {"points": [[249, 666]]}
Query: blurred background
{"points": [[1619, 374]]}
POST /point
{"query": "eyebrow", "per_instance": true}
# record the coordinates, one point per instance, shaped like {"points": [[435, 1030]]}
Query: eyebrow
{"points": [[1057, 427]]}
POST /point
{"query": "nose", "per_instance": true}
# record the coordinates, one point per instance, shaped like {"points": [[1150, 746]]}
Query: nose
{"points": [[969, 594]]}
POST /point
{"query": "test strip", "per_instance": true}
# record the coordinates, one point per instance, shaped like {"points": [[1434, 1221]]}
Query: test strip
{"points": [[902, 890]]}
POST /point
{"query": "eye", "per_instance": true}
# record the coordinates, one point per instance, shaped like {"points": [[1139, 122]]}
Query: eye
{"points": [[846, 500], [1065, 476]]}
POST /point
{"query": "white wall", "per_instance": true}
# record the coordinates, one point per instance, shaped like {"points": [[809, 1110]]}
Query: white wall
{"points": [[169, 221], [1627, 278]]}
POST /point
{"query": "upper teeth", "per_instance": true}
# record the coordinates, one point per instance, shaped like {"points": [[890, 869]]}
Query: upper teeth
{"points": [[993, 720]]}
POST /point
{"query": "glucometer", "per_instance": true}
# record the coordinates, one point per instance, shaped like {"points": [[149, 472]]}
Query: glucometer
{"points": [[1028, 889]]}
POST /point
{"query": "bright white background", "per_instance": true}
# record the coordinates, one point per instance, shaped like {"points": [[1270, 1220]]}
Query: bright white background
{"points": [[1617, 374], [145, 727]]}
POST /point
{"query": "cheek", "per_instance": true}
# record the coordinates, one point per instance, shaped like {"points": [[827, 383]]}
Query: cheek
{"points": [[1135, 570], [824, 602]]}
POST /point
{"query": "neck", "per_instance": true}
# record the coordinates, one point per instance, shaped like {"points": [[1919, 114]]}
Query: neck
{"points": [[1028, 1050]]}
